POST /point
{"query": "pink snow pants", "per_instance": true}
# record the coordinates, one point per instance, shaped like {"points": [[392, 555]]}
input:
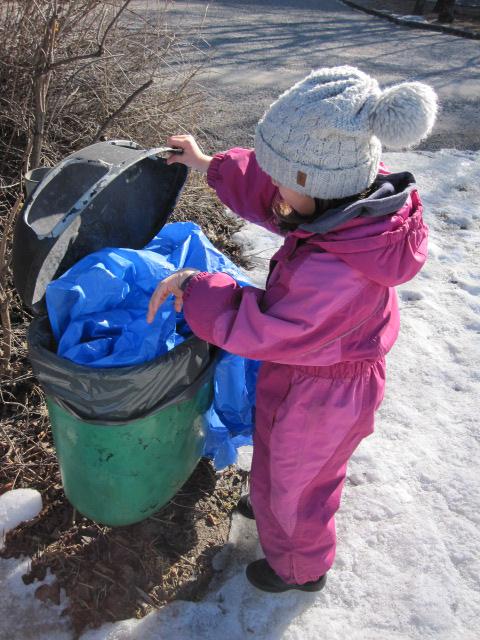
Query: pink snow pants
{"points": [[309, 421]]}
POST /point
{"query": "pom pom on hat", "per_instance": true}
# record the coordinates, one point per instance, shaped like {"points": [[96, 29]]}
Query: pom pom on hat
{"points": [[404, 114]]}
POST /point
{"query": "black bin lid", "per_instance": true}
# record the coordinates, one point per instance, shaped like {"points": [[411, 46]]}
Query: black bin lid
{"points": [[110, 194]]}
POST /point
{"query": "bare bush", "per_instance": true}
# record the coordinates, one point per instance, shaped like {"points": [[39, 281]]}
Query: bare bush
{"points": [[72, 72]]}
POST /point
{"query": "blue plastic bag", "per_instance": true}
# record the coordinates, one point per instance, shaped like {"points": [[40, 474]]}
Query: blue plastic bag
{"points": [[98, 308], [231, 416]]}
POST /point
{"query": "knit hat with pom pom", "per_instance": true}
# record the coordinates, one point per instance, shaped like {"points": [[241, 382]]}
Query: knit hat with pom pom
{"points": [[323, 137]]}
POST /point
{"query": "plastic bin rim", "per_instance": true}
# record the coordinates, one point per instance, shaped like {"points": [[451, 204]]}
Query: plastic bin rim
{"points": [[112, 371]]}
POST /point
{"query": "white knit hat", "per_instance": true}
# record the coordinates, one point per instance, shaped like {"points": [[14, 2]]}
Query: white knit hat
{"points": [[323, 136]]}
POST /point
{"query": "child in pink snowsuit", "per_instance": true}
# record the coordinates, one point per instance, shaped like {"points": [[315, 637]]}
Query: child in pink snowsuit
{"points": [[329, 313]]}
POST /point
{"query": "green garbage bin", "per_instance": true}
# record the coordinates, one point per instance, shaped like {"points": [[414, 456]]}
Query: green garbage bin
{"points": [[126, 438], [120, 474]]}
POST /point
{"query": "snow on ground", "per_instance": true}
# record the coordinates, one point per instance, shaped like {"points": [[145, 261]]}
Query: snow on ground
{"points": [[18, 506], [408, 561], [22, 616]]}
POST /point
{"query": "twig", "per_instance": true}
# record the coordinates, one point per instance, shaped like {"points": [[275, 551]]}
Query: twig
{"points": [[122, 108], [5, 295], [41, 86], [99, 52]]}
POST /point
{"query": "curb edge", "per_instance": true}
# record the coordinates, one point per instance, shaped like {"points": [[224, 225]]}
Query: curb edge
{"points": [[462, 33]]}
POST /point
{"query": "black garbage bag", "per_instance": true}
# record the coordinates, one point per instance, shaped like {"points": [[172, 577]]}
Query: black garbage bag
{"points": [[123, 394]]}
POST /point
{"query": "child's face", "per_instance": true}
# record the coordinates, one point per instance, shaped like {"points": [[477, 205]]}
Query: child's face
{"points": [[301, 203]]}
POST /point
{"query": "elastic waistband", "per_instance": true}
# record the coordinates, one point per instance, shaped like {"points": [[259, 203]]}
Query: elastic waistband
{"points": [[342, 369]]}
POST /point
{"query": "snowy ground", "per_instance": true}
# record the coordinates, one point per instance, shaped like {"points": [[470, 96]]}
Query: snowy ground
{"points": [[408, 561]]}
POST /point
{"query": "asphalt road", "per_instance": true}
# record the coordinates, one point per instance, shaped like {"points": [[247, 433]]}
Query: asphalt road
{"points": [[258, 49]]}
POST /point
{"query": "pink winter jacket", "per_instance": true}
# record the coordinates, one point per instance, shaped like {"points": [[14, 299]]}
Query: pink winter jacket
{"points": [[329, 296]]}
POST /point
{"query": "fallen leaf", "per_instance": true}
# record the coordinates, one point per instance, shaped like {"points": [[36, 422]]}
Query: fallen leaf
{"points": [[48, 592]]}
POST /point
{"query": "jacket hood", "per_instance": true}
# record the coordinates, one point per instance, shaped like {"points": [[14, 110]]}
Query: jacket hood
{"points": [[382, 235]]}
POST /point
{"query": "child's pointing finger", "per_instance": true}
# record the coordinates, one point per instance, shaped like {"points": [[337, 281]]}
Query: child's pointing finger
{"points": [[159, 296]]}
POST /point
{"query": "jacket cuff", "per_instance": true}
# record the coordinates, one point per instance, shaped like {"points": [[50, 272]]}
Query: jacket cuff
{"points": [[190, 281], [213, 172], [184, 284]]}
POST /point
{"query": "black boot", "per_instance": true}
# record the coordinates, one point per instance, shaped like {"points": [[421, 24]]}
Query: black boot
{"points": [[244, 507], [262, 576]]}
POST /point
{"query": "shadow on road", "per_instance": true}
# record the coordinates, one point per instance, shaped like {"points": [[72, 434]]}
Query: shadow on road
{"points": [[257, 49]]}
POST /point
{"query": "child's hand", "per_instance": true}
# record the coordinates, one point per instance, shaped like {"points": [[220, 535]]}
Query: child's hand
{"points": [[192, 155], [170, 286]]}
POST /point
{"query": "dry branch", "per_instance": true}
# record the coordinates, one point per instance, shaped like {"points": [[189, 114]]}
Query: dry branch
{"points": [[5, 292], [101, 47], [122, 108]]}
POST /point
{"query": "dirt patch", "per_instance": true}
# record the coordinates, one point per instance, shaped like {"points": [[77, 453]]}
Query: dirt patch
{"points": [[110, 574]]}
